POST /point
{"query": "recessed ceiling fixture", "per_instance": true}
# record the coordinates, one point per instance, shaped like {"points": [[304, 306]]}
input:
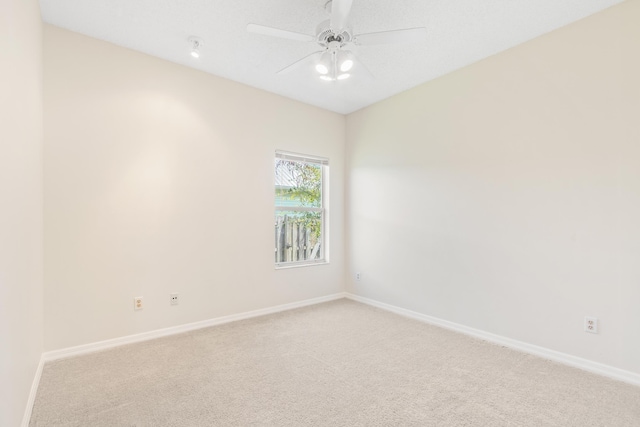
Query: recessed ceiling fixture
{"points": [[195, 43], [333, 62]]}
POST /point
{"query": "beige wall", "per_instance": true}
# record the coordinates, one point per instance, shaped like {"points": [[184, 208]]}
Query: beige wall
{"points": [[20, 204], [159, 179], [506, 196]]}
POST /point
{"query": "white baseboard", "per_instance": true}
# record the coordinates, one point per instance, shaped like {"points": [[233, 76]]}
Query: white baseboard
{"points": [[567, 359], [129, 339], [26, 418]]}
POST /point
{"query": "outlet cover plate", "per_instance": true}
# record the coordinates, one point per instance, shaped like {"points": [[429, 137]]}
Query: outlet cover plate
{"points": [[591, 324]]}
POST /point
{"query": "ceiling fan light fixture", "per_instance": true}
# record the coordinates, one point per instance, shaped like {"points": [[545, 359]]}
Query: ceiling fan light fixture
{"points": [[324, 65], [346, 65], [335, 36], [322, 69], [345, 60]]}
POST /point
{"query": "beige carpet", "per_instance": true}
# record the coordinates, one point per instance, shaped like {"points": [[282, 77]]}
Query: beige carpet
{"points": [[335, 364]]}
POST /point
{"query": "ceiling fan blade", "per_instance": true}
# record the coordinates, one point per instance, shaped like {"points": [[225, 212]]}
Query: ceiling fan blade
{"points": [[340, 14], [300, 62], [276, 32], [394, 36]]}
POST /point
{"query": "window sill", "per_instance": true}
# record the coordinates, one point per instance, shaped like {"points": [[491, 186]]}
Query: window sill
{"points": [[302, 264]]}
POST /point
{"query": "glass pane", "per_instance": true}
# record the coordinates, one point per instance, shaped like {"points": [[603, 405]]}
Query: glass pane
{"points": [[298, 236], [298, 183]]}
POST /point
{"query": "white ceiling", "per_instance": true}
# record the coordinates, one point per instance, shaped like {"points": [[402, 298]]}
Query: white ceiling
{"points": [[459, 32]]}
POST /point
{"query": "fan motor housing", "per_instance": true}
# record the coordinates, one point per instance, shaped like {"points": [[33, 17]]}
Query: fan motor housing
{"points": [[326, 36]]}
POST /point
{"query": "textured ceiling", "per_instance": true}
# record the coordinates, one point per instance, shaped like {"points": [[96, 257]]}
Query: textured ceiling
{"points": [[459, 32]]}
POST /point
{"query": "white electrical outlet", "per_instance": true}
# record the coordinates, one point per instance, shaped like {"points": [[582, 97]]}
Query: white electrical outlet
{"points": [[358, 276], [138, 303], [591, 325], [173, 299]]}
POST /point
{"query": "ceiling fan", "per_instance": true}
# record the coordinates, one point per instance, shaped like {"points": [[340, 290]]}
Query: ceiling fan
{"points": [[334, 62]]}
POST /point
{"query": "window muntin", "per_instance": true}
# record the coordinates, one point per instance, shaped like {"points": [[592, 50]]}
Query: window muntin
{"points": [[300, 209]]}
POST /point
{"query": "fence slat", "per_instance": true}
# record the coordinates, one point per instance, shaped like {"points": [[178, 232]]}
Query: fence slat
{"points": [[294, 241]]}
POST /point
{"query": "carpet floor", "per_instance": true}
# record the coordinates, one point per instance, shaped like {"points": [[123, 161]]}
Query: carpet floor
{"points": [[340, 363]]}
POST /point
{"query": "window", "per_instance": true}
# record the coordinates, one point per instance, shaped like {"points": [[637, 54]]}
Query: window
{"points": [[300, 209]]}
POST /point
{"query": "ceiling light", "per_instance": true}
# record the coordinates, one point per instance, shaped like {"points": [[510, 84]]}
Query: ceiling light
{"points": [[321, 68], [346, 65], [344, 62], [325, 64], [196, 43], [334, 64]]}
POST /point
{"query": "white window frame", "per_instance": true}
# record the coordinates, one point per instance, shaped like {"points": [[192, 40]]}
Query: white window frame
{"points": [[323, 209]]}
